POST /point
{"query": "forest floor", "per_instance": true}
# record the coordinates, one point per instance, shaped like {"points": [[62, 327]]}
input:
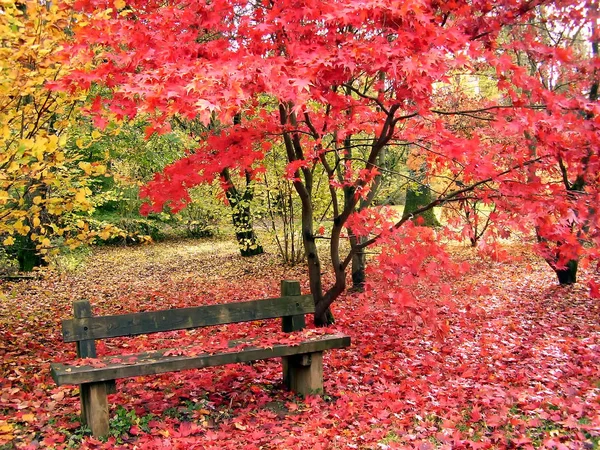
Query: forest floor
{"points": [[520, 367]]}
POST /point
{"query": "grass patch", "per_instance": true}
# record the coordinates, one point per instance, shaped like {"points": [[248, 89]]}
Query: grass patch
{"points": [[70, 260]]}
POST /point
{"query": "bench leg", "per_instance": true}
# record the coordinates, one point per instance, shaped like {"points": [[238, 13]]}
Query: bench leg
{"points": [[94, 406], [303, 374]]}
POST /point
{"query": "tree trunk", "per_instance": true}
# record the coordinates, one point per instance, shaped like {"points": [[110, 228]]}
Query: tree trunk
{"points": [[416, 199], [359, 258], [244, 232], [311, 252], [27, 255], [568, 275], [242, 216], [293, 147], [359, 264]]}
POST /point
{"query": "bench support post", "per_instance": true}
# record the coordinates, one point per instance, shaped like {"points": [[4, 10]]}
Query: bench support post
{"points": [[94, 406], [305, 373], [93, 396], [290, 323]]}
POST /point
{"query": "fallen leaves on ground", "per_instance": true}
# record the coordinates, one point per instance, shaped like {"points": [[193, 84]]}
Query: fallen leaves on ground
{"points": [[520, 367]]}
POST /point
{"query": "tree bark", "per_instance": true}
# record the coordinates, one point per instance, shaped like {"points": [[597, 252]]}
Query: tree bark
{"points": [[359, 265], [359, 262], [568, 275], [293, 148], [323, 316], [417, 198], [241, 215], [27, 254]]}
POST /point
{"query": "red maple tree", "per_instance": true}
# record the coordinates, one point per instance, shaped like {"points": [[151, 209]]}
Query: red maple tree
{"points": [[334, 84]]}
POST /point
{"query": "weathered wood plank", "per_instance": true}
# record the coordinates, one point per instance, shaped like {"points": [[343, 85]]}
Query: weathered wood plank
{"points": [[306, 374], [83, 310], [184, 318], [294, 322], [290, 323], [94, 407], [155, 362]]}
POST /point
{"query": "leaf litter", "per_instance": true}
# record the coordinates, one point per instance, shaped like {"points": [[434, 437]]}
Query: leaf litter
{"points": [[519, 367]]}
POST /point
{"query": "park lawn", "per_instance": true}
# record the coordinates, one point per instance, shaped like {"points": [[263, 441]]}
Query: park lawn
{"points": [[520, 367]]}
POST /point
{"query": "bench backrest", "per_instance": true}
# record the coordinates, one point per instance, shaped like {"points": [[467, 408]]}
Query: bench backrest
{"points": [[291, 306]]}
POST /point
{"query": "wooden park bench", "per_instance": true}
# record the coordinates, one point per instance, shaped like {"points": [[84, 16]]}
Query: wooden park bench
{"points": [[302, 361]]}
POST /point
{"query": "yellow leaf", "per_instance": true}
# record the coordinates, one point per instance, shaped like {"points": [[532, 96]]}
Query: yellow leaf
{"points": [[36, 221], [86, 167], [120, 4], [37, 200], [9, 241], [96, 134], [27, 143], [79, 142], [46, 242], [100, 169], [80, 196], [28, 417], [6, 431]]}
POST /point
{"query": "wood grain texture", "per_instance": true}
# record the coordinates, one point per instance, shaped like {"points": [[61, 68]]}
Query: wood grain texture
{"points": [[83, 310], [293, 322], [306, 374], [94, 407], [290, 323]]}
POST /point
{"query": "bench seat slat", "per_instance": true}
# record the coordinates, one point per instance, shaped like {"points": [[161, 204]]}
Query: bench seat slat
{"points": [[103, 327], [151, 363]]}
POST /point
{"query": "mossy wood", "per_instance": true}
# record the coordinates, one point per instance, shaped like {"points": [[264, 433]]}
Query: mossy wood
{"points": [[302, 361]]}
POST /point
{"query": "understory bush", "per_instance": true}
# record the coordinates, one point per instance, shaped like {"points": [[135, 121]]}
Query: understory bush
{"points": [[199, 221], [8, 265]]}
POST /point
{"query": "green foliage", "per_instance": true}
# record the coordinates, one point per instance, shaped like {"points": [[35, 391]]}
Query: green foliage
{"points": [[188, 411], [131, 160], [70, 260], [202, 217], [131, 230], [131, 157], [278, 209], [199, 221], [24, 251], [123, 420], [8, 264]]}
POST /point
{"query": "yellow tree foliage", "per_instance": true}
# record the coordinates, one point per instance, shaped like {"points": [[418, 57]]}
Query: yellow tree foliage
{"points": [[43, 188]]}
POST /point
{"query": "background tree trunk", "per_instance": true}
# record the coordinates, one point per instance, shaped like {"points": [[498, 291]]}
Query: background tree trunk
{"points": [[27, 254], [568, 275], [241, 215], [417, 198]]}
